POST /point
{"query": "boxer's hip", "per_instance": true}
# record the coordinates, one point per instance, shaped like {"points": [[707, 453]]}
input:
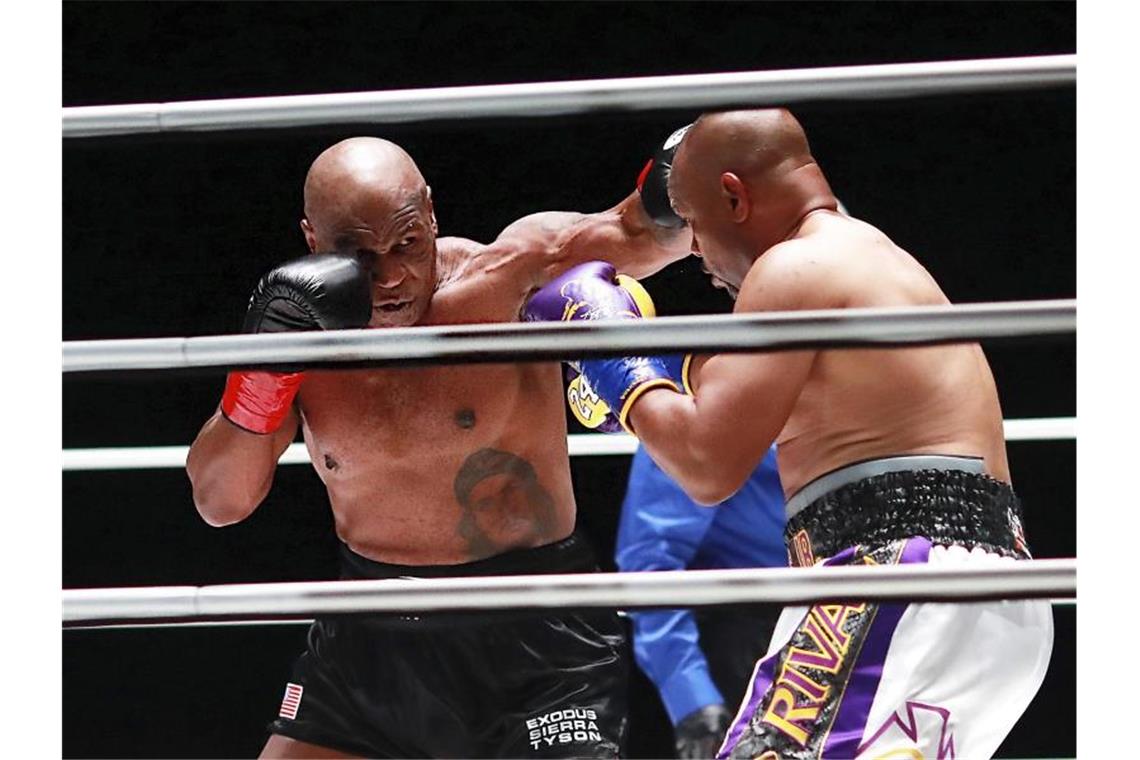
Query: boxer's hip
{"points": [[948, 499], [572, 554]]}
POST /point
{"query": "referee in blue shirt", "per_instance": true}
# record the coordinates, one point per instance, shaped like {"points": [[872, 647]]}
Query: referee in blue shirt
{"points": [[663, 529]]}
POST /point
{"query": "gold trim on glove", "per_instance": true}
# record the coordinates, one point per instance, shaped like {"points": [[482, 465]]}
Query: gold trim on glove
{"points": [[635, 394]]}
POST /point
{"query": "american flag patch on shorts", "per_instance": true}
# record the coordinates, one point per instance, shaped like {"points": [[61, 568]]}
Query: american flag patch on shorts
{"points": [[291, 701]]}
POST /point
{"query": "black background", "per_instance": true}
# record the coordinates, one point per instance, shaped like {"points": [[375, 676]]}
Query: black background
{"points": [[166, 235]]}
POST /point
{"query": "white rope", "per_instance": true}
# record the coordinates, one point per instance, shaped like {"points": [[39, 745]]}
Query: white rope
{"points": [[230, 622], [692, 91], [1041, 429], [558, 341], [678, 588], [588, 444]]}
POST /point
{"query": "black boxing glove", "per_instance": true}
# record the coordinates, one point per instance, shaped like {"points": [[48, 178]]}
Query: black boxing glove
{"points": [[653, 183], [323, 292], [700, 733], [326, 291]]}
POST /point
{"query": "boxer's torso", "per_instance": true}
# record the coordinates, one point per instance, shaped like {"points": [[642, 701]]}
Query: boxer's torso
{"points": [[864, 404], [445, 464]]}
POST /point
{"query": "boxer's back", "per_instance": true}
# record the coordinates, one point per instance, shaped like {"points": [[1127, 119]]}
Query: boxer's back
{"points": [[447, 464], [863, 404]]}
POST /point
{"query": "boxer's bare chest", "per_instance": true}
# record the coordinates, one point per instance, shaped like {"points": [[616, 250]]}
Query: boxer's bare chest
{"points": [[363, 421], [443, 464], [403, 415]]}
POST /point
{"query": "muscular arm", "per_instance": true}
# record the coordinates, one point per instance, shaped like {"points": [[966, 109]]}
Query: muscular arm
{"points": [[711, 441], [231, 469], [555, 241]]}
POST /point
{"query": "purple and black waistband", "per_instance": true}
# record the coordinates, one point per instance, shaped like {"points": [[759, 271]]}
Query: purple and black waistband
{"points": [[948, 499]]}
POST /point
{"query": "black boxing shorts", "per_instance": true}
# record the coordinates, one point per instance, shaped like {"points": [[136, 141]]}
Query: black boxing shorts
{"points": [[540, 685]]}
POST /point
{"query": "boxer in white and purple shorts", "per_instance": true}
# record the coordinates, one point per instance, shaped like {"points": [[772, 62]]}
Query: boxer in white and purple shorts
{"points": [[920, 680]]}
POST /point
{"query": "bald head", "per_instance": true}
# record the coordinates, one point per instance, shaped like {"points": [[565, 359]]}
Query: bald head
{"points": [[358, 172], [744, 180], [365, 197], [755, 145]]}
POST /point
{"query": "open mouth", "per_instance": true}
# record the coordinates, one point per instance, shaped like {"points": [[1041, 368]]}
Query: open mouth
{"points": [[393, 313], [391, 307]]}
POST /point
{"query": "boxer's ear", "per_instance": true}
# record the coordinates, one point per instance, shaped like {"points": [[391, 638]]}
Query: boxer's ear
{"points": [[735, 194], [310, 235], [431, 210]]}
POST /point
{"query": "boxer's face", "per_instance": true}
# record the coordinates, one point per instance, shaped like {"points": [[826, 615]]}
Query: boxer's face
{"points": [[714, 266], [393, 235], [714, 236]]}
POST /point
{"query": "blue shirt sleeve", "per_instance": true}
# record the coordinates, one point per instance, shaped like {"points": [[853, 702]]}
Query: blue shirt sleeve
{"points": [[661, 529]]}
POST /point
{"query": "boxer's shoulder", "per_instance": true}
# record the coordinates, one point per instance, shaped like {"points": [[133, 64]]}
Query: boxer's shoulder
{"points": [[557, 239], [801, 273], [836, 263], [543, 230], [871, 269], [842, 235], [454, 257], [477, 282]]}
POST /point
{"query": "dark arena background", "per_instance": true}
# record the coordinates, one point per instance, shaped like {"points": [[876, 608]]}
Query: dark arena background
{"points": [[166, 236]]}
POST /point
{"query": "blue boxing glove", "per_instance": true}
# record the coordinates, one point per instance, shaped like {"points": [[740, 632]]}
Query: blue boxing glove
{"points": [[593, 413], [587, 407], [606, 386]]}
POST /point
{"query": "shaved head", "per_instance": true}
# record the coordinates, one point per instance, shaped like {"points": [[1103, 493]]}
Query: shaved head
{"points": [[357, 172], [365, 197], [751, 144], [744, 180]]}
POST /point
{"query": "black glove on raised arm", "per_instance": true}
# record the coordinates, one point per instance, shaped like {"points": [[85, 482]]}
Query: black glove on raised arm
{"points": [[325, 292], [653, 183]]}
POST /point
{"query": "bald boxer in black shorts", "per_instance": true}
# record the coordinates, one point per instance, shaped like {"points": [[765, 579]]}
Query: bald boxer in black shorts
{"points": [[440, 471]]}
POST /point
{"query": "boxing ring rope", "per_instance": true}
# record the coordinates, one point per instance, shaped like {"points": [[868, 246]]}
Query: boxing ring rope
{"points": [[242, 622], [675, 588], [538, 99], [561, 341], [579, 444]]}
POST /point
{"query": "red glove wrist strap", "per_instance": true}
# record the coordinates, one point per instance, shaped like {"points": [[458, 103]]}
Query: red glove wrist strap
{"points": [[259, 401]]}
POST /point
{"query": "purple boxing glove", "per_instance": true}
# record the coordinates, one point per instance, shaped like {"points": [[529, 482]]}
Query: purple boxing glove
{"points": [[595, 291]]}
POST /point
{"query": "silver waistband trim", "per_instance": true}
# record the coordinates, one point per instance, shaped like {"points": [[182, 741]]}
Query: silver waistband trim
{"points": [[851, 473]]}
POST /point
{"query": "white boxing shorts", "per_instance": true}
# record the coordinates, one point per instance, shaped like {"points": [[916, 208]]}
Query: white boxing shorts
{"points": [[894, 681]]}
